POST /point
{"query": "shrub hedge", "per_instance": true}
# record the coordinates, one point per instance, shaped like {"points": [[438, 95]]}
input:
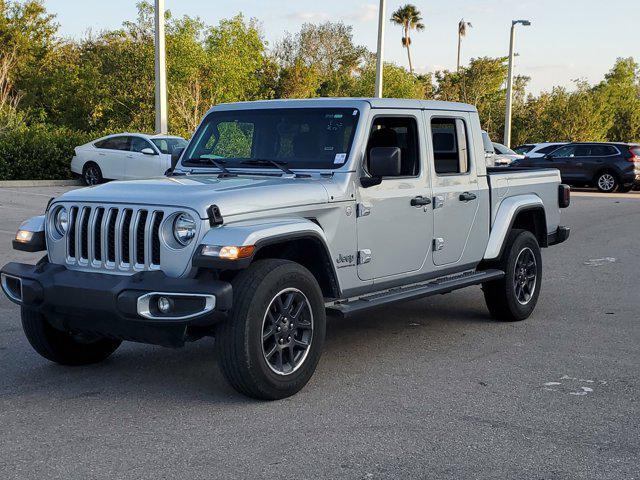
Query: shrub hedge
{"points": [[39, 151]]}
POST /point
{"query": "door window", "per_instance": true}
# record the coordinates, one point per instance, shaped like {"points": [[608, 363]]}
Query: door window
{"points": [[564, 152], [582, 151], [450, 146], [602, 150], [114, 143], [138, 144], [400, 132]]}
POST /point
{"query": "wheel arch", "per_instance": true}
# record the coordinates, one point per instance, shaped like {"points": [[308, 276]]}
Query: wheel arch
{"points": [[523, 212], [301, 240]]}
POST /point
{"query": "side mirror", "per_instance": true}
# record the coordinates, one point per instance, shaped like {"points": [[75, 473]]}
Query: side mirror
{"points": [[385, 162], [148, 151], [175, 156]]}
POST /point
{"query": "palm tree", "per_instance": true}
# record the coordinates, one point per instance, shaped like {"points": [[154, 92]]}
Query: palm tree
{"points": [[462, 32], [408, 17]]}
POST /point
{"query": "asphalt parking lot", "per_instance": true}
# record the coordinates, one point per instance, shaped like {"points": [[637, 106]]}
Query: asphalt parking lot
{"points": [[428, 389]]}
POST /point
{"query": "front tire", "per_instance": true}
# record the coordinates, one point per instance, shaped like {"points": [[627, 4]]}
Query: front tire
{"points": [[514, 297], [63, 347], [270, 346]]}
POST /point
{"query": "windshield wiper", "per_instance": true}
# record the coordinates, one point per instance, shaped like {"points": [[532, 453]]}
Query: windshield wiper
{"points": [[276, 163], [216, 163]]}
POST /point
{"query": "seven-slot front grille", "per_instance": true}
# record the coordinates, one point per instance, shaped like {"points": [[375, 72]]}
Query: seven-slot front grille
{"points": [[114, 237]]}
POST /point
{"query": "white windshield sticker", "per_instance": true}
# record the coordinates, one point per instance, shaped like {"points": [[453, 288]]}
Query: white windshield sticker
{"points": [[340, 158]]}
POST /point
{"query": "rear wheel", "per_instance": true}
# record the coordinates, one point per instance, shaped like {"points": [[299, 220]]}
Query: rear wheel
{"points": [[91, 174], [514, 297], [270, 346], [606, 182], [64, 348]]}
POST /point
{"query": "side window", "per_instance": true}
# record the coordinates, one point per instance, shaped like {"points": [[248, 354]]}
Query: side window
{"points": [[564, 152], [138, 144], [549, 149], [101, 143], [582, 151], [602, 150], [450, 146], [400, 132], [116, 143]]}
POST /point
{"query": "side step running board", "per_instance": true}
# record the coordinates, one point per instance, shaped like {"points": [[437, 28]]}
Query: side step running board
{"points": [[411, 292]]}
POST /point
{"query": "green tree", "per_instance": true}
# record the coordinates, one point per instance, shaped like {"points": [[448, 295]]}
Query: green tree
{"points": [[409, 18]]}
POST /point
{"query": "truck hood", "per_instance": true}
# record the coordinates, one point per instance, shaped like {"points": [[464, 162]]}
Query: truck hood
{"points": [[233, 195]]}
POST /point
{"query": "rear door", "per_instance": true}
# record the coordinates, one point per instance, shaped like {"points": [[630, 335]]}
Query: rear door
{"points": [[454, 184]]}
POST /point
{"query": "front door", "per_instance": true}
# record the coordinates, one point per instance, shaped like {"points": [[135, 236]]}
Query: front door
{"points": [[455, 185], [142, 165], [394, 236]]}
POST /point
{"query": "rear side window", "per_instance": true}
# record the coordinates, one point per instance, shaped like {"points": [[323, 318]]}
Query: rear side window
{"points": [[450, 146], [114, 143], [602, 150], [582, 151]]}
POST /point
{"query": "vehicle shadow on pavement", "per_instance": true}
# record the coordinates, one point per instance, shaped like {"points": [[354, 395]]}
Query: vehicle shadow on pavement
{"points": [[191, 374]]}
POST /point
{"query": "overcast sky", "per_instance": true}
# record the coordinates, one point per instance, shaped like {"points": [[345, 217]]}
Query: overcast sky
{"points": [[568, 39]]}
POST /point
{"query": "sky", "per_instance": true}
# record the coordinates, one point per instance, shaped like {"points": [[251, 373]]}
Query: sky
{"points": [[568, 39]]}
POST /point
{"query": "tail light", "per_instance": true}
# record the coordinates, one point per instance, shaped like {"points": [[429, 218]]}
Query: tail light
{"points": [[635, 154], [564, 195]]}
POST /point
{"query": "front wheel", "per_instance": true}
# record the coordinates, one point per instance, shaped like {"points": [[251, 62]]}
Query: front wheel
{"points": [[65, 348], [272, 342], [514, 297]]}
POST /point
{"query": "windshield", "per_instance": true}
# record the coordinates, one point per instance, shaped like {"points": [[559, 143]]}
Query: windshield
{"points": [[167, 145], [298, 138]]}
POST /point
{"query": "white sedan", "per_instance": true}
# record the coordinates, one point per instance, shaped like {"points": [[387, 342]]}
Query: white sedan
{"points": [[124, 156]]}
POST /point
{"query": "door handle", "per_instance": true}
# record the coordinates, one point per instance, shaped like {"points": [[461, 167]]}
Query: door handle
{"points": [[467, 196], [420, 201]]}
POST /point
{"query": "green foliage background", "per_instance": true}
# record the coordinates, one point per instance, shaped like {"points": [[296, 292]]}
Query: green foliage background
{"points": [[56, 93]]}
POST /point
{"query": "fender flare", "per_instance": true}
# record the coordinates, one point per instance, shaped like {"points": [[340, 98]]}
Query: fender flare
{"points": [[506, 215], [259, 234]]}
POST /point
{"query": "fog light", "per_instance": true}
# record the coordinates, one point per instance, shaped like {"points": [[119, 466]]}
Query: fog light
{"points": [[164, 305]]}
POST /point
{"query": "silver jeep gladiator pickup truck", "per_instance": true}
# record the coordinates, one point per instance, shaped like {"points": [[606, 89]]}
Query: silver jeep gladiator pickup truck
{"points": [[275, 214]]}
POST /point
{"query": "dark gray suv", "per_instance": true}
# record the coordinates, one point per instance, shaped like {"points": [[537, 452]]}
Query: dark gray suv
{"points": [[608, 166]]}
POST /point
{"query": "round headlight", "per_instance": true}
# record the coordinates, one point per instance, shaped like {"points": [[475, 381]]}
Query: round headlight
{"points": [[184, 228], [61, 221]]}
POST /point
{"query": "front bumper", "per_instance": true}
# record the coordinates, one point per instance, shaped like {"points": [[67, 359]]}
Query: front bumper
{"points": [[118, 306]]}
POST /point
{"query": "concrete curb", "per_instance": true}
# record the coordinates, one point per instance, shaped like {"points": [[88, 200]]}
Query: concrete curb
{"points": [[39, 183]]}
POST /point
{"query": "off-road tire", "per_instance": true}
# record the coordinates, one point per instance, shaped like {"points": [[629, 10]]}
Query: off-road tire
{"points": [[63, 347], [501, 295], [239, 339]]}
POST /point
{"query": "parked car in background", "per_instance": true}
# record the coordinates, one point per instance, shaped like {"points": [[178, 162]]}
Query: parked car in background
{"points": [[489, 151], [124, 156], [608, 166], [504, 155], [537, 150]]}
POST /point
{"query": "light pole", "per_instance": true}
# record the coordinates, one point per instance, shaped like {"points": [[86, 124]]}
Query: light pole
{"points": [[507, 116], [161, 71], [380, 59]]}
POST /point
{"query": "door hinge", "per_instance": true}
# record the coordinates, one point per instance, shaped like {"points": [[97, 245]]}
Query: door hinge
{"points": [[364, 256], [362, 210], [438, 201], [438, 244]]}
